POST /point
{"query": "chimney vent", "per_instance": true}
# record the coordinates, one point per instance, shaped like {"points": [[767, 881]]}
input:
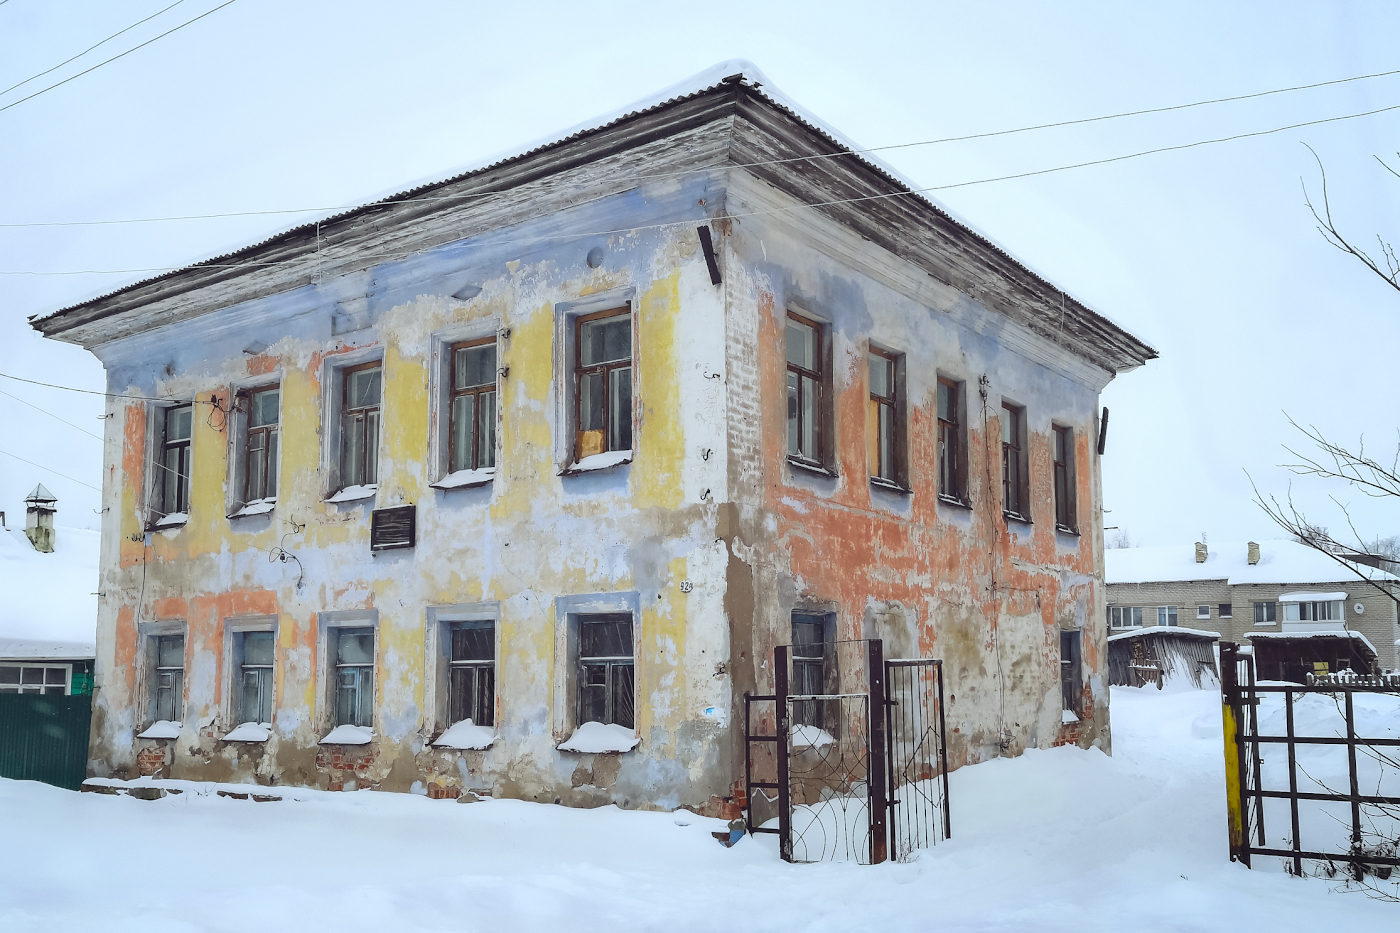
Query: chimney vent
{"points": [[1253, 553], [1200, 552], [39, 507]]}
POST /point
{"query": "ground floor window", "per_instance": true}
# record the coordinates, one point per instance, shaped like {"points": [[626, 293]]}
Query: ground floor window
{"points": [[255, 687], [354, 677], [169, 694], [808, 668], [1265, 613], [607, 670], [472, 673], [1070, 674], [34, 678]]}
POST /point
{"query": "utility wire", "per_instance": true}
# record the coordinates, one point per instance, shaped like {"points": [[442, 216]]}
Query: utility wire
{"points": [[90, 48], [115, 57], [51, 414], [50, 470], [133, 398], [777, 210], [809, 158]]}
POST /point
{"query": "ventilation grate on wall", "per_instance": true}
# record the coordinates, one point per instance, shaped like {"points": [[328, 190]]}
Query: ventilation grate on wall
{"points": [[393, 528]]}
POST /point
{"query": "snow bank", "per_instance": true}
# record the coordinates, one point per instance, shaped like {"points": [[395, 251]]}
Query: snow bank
{"points": [[597, 738], [49, 599], [348, 735], [250, 732], [162, 729], [465, 735]]}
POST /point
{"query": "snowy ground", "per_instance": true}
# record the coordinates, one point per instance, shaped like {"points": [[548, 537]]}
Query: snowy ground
{"points": [[1056, 840]]}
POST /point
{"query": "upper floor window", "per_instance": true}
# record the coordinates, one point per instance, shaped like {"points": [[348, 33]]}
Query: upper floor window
{"points": [[607, 674], [883, 425], [950, 472], [473, 412], [260, 447], [603, 383], [362, 390], [472, 673], [1203, 612], [255, 676], [174, 490], [804, 390], [1014, 488], [1066, 515], [1265, 613], [1166, 615], [1313, 611], [1124, 616]]}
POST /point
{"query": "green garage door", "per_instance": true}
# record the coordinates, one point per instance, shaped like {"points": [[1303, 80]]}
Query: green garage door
{"points": [[44, 738]]}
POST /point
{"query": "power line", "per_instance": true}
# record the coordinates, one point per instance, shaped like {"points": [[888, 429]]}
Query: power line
{"points": [[777, 210], [90, 48], [809, 158], [133, 398], [51, 470], [115, 57], [51, 414]]}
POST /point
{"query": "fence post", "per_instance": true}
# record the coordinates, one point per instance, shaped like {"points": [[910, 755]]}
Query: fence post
{"points": [[1229, 710], [875, 769], [780, 684]]}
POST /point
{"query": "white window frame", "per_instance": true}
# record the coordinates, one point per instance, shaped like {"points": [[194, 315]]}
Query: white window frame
{"points": [[328, 624], [1117, 613], [234, 626], [43, 665], [1203, 610], [1167, 616]]}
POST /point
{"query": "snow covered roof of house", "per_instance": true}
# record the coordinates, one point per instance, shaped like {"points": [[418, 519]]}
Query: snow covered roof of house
{"points": [[773, 139], [1164, 630], [48, 607], [1283, 562]]}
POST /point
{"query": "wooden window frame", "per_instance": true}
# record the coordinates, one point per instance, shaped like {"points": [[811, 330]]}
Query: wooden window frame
{"points": [[820, 456], [454, 393], [1066, 502], [1015, 483], [898, 468], [610, 665], [606, 369], [337, 666], [481, 699], [177, 686], [243, 666], [1168, 616], [267, 431], [184, 470], [949, 444], [1071, 670], [370, 445]]}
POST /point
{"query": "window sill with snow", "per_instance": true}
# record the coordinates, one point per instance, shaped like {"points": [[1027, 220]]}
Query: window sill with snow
{"points": [[596, 738], [595, 462], [355, 493], [466, 479], [348, 735], [256, 507], [250, 732], [161, 729], [173, 520], [465, 736]]}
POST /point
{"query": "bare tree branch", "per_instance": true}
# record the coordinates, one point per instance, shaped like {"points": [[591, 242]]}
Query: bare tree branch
{"points": [[1358, 468], [1330, 233]]}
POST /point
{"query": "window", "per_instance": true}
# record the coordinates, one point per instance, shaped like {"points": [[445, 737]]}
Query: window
{"points": [[603, 383], [1320, 611], [1070, 674], [260, 447], [472, 430], [354, 676], [607, 679], [168, 693], [1203, 612], [362, 390], [1066, 514], [174, 473], [49, 679], [884, 445], [254, 653], [808, 668], [1013, 465], [472, 673], [1227, 610], [804, 390], [1265, 613], [950, 473], [1124, 616], [1166, 615]]}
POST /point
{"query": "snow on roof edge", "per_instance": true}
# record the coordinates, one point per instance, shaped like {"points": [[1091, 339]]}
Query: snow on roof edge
{"points": [[1163, 630]]}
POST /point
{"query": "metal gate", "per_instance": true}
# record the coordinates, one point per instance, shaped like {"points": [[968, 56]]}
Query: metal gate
{"points": [[843, 768], [44, 738], [1371, 821]]}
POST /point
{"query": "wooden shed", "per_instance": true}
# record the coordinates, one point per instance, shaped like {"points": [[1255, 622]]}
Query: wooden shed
{"points": [[1293, 656], [1160, 653]]}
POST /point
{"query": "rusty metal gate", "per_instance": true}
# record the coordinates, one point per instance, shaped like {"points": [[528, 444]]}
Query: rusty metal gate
{"points": [[846, 769], [1371, 822]]}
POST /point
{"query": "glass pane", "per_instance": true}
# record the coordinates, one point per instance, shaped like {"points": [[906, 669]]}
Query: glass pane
{"points": [[809, 417], [354, 695], [352, 447], [9, 675], [1008, 426], [792, 413], [263, 407], [355, 646], [801, 344], [887, 442], [371, 448], [593, 694], [881, 376], [485, 713], [257, 465], [590, 402], [170, 497], [605, 638], [55, 675], [33, 675], [362, 388], [476, 366], [486, 430], [1059, 445], [170, 651], [808, 636], [257, 647], [250, 696], [474, 642], [463, 418], [177, 423], [270, 489], [947, 403], [620, 409], [52, 691], [461, 690], [606, 340], [623, 688]]}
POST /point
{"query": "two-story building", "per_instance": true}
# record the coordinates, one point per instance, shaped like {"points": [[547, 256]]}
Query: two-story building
{"points": [[512, 482]]}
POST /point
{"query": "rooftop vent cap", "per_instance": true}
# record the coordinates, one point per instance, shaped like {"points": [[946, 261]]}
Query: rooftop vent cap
{"points": [[1200, 552], [1253, 553]]}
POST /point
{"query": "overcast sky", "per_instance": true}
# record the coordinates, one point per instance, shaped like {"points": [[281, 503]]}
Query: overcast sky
{"points": [[1208, 253]]}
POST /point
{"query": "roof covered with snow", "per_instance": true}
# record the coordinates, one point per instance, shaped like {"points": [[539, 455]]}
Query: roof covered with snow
{"points": [[48, 603], [1282, 562]]}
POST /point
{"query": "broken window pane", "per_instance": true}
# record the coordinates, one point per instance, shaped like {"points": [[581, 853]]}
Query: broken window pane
{"points": [[177, 423]]}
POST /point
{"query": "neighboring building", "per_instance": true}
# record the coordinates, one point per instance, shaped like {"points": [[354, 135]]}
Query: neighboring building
{"points": [[1160, 654], [1281, 593], [513, 482]]}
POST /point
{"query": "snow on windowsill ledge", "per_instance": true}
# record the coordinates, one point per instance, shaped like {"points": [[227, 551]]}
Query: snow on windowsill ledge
{"points": [[171, 520], [1068, 717], [256, 507], [348, 735], [596, 738], [463, 479], [595, 462], [355, 493], [465, 735], [250, 732], [811, 737], [807, 466], [879, 482], [162, 729]]}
